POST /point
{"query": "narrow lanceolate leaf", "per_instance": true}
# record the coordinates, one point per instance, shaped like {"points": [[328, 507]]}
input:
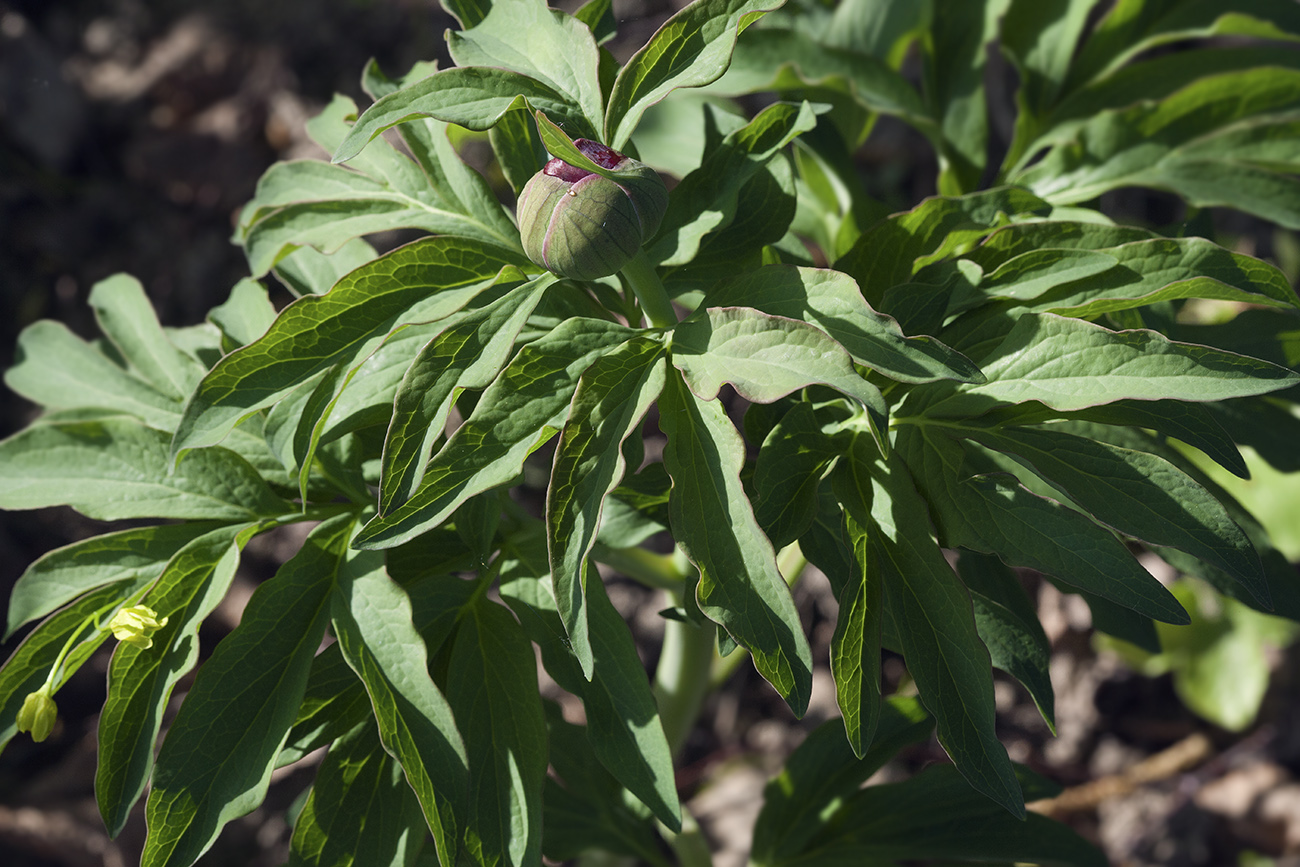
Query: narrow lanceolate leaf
{"points": [[1008, 625], [691, 48], [473, 97], [128, 320], [765, 358], [65, 573], [422, 281], [791, 462], [1222, 140], [373, 622], [54, 368], [623, 725], [492, 687], [1138, 494], [855, 644], [521, 410], [707, 199], [469, 354], [934, 622], [545, 44], [612, 398], [334, 704], [117, 468], [994, 515], [1069, 364], [936, 816], [25, 671], [822, 772], [360, 811], [245, 315], [894, 249], [740, 586], [1160, 269], [242, 704], [140, 680], [832, 301], [305, 203]]}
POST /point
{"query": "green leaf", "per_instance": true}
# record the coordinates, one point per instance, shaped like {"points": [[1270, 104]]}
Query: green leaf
{"points": [[855, 644], [26, 669], [612, 398], [140, 681], [590, 811], [822, 772], [372, 618], [309, 203], [56, 369], [306, 271], [740, 586], [242, 705], [692, 48], [954, 86], [492, 687], [1138, 494], [521, 410], [934, 622], [1220, 661], [127, 318], [598, 15], [706, 199], [936, 817], [473, 97], [518, 147], [1008, 625], [360, 809], [791, 462], [795, 64], [544, 44], [1069, 364], [1136, 26], [61, 575], [832, 301], [993, 515], [469, 354], [1219, 141], [893, 250], [117, 468], [624, 730], [422, 281], [334, 703], [765, 358], [245, 316], [1169, 269]]}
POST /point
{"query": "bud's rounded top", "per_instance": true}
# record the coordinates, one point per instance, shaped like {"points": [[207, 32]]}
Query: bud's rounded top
{"points": [[582, 225]]}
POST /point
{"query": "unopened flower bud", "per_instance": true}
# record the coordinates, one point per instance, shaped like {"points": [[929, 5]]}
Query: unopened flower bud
{"points": [[135, 625], [37, 714], [582, 225]]}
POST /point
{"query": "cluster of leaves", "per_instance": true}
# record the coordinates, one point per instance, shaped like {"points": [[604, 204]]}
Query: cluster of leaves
{"points": [[1000, 373]]}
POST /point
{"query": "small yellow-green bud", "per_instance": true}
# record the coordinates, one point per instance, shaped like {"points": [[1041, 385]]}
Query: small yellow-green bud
{"points": [[582, 225], [37, 714], [135, 625]]}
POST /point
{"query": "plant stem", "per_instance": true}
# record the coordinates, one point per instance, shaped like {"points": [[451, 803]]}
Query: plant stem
{"points": [[645, 283], [683, 674], [653, 570]]}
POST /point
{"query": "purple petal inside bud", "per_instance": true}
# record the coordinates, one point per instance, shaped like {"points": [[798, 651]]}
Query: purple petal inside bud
{"points": [[603, 156]]}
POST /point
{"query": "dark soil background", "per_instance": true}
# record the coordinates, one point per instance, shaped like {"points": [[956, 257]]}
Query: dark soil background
{"points": [[131, 131]]}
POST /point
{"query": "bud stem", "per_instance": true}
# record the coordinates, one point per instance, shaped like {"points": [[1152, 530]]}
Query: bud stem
{"points": [[641, 276]]}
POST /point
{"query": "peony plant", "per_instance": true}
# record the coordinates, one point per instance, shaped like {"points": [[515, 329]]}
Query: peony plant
{"points": [[761, 369]]}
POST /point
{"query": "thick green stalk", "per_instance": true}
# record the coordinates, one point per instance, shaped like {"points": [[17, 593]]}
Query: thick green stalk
{"points": [[683, 674], [645, 283]]}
